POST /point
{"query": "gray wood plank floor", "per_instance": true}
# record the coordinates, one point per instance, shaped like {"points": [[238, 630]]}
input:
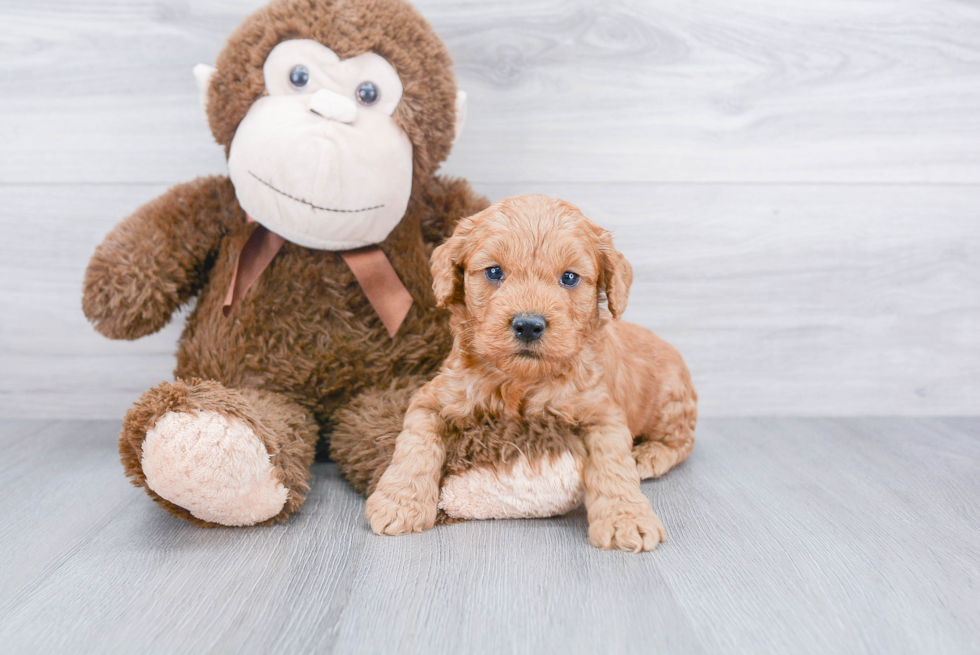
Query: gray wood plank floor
{"points": [[785, 536]]}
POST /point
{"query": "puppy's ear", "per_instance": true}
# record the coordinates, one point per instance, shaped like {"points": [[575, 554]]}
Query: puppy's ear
{"points": [[447, 278], [617, 275], [447, 272]]}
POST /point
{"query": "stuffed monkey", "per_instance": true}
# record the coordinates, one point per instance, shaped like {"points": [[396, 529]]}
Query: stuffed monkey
{"points": [[309, 263]]}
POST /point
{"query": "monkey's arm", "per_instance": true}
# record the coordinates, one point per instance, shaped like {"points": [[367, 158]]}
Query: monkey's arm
{"points": [[447, 199], [158, 258]]}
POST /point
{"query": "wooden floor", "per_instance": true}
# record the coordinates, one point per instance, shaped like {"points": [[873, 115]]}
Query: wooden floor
{"points": [[785, 536]]}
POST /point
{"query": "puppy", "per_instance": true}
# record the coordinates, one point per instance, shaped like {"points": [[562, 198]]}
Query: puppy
{"points": [[525, 282]]}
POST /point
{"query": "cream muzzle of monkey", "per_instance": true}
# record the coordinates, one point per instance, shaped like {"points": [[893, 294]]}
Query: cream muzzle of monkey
{"points": [[320, 162]]}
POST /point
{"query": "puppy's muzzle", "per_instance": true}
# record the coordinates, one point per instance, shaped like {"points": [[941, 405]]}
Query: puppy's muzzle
{"points": [[528, 327]]}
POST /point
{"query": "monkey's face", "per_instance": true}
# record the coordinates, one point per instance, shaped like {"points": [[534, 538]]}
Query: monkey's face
{"points": [[319, 159]]}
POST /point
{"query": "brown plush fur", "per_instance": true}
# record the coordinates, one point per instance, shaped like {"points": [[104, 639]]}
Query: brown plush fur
{"points": [[364, 437], [603, 384], [304, 340]]}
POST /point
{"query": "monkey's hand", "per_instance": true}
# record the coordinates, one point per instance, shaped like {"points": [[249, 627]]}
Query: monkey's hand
{"points": [[157, 259]]}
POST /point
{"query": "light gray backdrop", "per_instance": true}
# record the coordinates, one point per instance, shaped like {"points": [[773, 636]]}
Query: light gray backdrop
{"points": [[797, 184]]}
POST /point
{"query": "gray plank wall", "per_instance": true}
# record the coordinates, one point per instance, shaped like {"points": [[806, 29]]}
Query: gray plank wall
{"points": [[797, 184]]}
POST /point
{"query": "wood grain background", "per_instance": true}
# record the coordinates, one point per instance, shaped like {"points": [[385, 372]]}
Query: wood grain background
{"points": [[796, 184]]}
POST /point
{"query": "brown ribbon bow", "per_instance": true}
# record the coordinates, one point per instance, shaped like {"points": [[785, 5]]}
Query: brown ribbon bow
{"points": [[374, 272]]}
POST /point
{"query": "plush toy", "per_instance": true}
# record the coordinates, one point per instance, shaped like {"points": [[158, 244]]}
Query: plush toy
{"points": [[309, 264]]}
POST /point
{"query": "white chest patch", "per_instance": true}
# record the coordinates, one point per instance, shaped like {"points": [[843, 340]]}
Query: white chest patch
{"points": [[551, 487]]}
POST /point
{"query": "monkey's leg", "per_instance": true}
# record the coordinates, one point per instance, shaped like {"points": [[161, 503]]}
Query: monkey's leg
{"points": [[218, 456], [363, 438], [670, 442]]}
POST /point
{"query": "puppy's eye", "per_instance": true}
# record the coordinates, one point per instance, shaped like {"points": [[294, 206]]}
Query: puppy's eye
{"points": [[494, 274], [299, 77], [569, 279], [367, 93]]}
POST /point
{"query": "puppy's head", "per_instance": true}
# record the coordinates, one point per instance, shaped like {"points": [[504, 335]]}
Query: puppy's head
{"points": [[525, 279]]}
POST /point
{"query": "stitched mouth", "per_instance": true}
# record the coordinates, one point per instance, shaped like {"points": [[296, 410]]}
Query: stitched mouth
{"points": [[310, 204]]}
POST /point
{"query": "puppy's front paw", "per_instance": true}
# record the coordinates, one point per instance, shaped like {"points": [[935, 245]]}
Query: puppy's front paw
{"points": [[633, 530], [392, 510]]}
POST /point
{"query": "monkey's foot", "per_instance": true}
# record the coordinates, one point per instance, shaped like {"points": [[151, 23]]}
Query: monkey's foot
{"points": [[213, 466]]}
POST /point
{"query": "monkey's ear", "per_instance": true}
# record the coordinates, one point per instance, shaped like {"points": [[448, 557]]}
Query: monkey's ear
{"points": [[203, 74], [617, 275], [460, 113]]}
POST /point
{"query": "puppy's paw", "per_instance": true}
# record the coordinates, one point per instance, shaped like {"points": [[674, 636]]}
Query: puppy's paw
{"points": [[654, 459], [633, 530], [393, 510]]}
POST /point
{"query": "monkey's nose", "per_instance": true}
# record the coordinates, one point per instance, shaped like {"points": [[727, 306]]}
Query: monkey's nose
{"points": [[333, 106], [528, 327]]}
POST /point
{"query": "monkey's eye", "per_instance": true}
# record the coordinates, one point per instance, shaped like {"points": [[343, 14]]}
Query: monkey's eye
{"points": [[569, 279], [367, 93], [299, 77], [494, 274]]}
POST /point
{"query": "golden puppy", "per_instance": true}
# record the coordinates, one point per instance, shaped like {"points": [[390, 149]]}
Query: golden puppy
{"points": [[525, 282]]}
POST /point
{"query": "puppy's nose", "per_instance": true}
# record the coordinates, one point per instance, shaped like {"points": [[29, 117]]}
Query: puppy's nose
{"points": [[528, 327]]}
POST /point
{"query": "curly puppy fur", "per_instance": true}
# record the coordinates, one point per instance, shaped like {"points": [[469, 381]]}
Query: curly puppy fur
{"points": [[615, 382], [304, 335]]}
